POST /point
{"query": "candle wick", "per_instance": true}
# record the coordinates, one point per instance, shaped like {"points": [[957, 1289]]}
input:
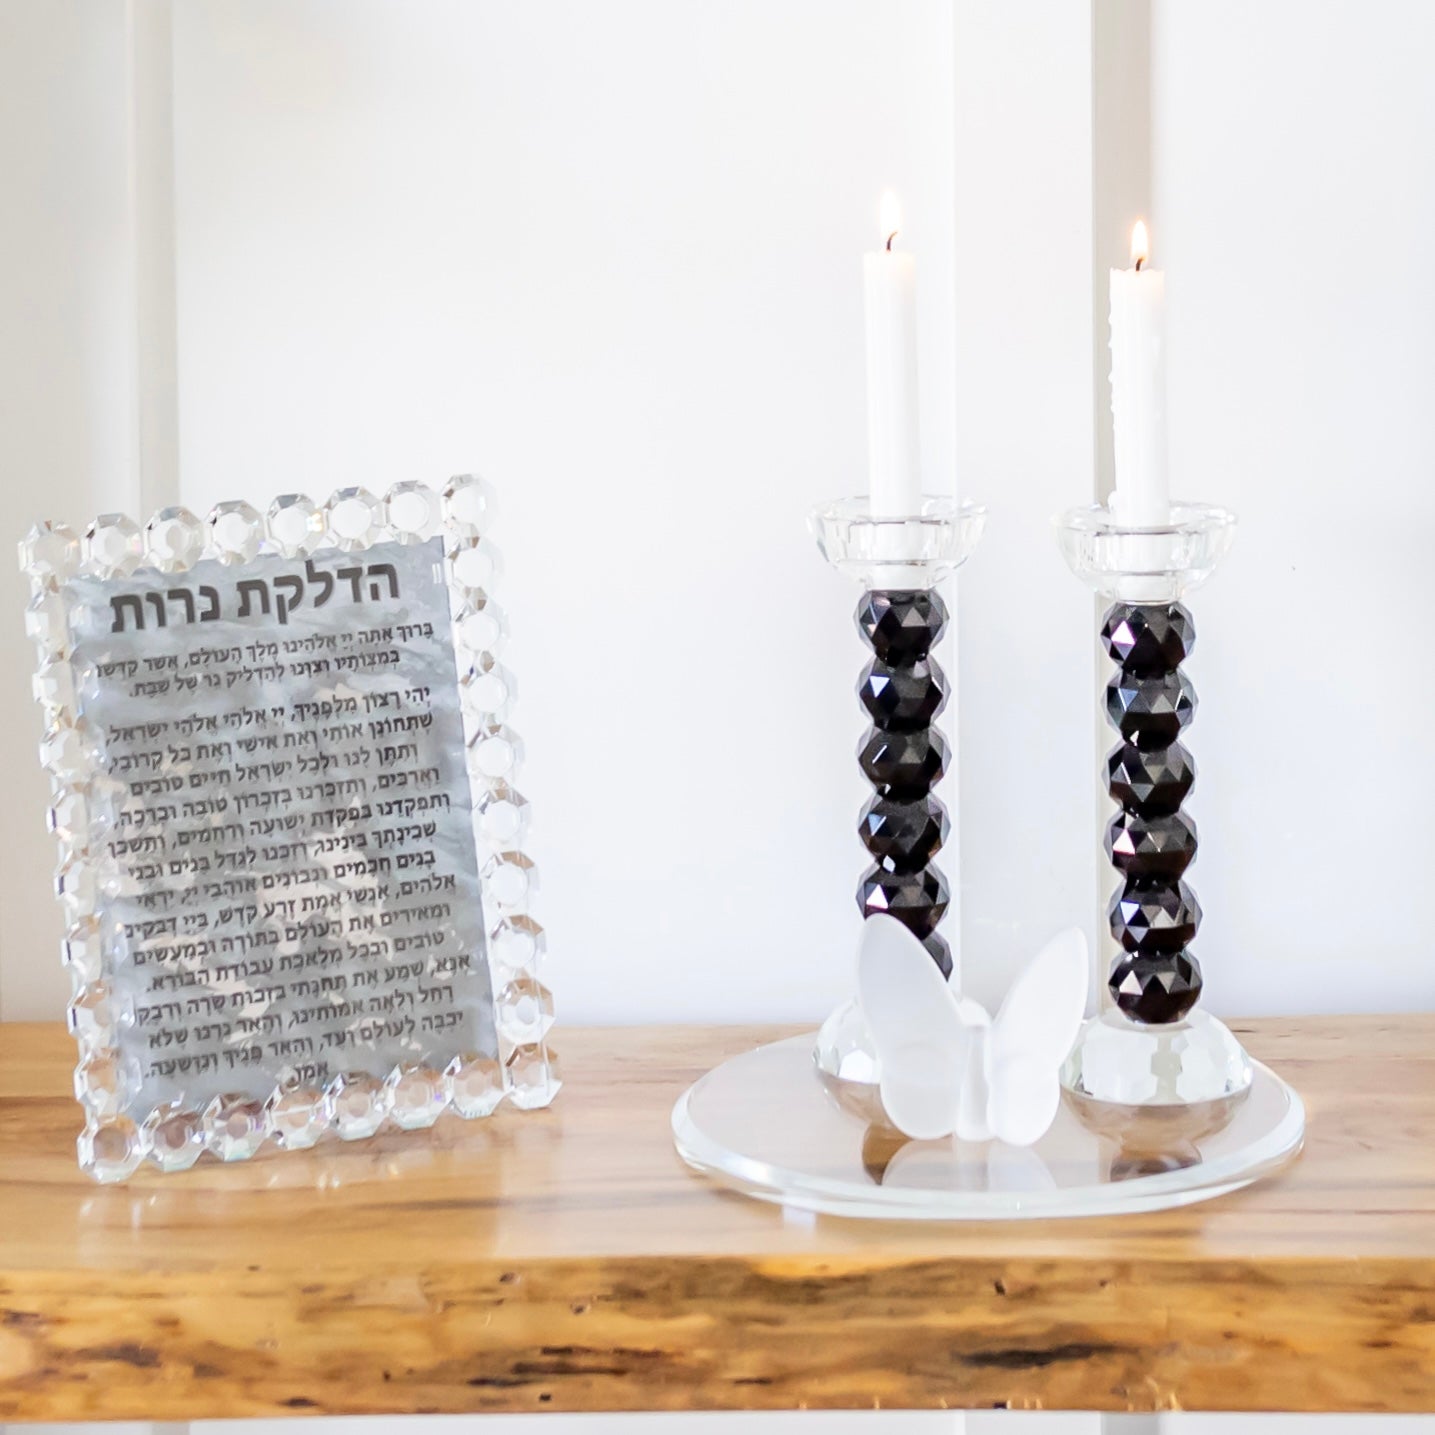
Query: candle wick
{"points": [[890, 238], [1141, 259]]}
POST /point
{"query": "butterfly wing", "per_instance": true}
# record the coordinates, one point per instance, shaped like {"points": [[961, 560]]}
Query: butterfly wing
{"points": [[1031, 1036], [921, 1039]]}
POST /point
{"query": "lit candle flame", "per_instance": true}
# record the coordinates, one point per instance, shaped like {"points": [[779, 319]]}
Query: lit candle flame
{"points": [[1140, 245], [891, 218]]}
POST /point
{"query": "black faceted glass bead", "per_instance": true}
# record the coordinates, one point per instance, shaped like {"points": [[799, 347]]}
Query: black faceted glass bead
{"points": [[1156, 990], [1151, 847], [1150, 712], [902, 699], [1154, 784], [902, 625], [1148, 638], [903, 836], [904, 765], [940, 952], [918, 900], [1154, 919]]}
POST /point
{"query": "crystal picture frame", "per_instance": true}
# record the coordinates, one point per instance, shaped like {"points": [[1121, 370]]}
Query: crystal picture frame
{"points": [[295, 898]]}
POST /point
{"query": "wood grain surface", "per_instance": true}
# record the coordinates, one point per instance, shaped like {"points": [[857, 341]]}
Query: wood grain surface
{"points": [[567, 1260]]}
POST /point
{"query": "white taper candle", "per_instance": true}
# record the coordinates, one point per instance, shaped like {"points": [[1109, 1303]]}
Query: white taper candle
{"points": [[1138, 390], [890, 285]]}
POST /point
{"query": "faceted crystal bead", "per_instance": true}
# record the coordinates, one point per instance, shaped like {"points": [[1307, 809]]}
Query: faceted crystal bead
{"points": [[902, 699], [525, 1010], [296, 524], [1150, 712], [173, 1137], [54, 686], [904, 765], [1154, 919], [494, 753], [1151, 847], [481, 625], [904, 836], [70, 819], [533, 1076], [234, 1126], [235, 531], [112, 546], [355, 518], [1156, 989], [101, 1082], [416, 1095], [83, 951], [357, 1104], [414, 512], [475, 1083], [517, 943], [298, 1116], [902, 625], [916, 899], [49, 553], [69, 753], [509, 878], [475, 563], [47, 624], [503, 817], [1154, 784], [487, 691], [173, 540], [78, 887], [468, 503], [1148, 638], [91, 1016], [110, 1150]]}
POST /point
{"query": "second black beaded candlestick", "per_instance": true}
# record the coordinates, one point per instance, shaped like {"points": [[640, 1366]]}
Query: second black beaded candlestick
{"points": [[1154, 1045]]}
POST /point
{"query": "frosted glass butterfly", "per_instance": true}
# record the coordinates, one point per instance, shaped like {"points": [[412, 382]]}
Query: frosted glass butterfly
{"points": [[947, 1065]]}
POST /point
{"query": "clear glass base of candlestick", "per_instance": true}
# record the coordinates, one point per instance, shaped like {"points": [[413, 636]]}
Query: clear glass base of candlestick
{"points": [[763, 1124], [845, 1053], [1186, 1062]]}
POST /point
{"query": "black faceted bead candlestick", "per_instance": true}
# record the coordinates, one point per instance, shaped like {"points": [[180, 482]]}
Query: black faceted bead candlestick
{"points": [[1153, 913], [903, 826], [1153, 1046], [899, 560]]}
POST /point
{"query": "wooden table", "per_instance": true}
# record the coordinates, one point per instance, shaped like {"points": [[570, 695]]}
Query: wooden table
{"points": [[568, 1261]]}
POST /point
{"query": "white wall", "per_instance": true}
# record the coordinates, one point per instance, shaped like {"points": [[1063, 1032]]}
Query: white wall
{"points": [[1295, 216], [1023, 320], [67, 431], [609, 255]]}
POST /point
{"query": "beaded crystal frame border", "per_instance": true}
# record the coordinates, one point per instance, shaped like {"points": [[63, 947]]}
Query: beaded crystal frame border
{"points": [[234, 1127]]}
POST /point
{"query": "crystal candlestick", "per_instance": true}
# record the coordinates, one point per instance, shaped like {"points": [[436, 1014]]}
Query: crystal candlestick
{"points": [[1151, 1046], [1142, 1125], [899, 561]]}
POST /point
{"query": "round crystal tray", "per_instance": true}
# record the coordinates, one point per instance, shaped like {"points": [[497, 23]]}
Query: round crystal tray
{"points": [[767, 1124]]}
